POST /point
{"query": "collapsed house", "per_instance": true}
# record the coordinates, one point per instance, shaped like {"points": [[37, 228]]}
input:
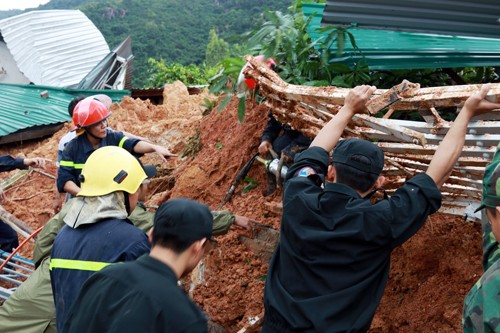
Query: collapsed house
{"points": [[46, 59]]}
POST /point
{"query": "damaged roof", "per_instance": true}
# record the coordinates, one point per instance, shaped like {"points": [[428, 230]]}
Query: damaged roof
{"points": [[53, 47], [29, 111], [395, 49]]}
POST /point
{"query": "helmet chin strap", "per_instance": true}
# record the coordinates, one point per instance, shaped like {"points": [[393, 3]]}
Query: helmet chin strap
{"points": [[127, 202]]}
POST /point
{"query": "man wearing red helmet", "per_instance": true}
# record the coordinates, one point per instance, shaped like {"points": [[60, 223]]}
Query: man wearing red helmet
{"points": [[90, 119]]}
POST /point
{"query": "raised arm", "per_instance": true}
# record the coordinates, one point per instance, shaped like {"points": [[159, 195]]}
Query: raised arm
{"points": [[354, 103], [451, 147]]}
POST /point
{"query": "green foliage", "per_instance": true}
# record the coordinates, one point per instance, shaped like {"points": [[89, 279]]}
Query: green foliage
{"points": [[209, 105], [169, 29], [161, 73], [217, 49], [252, 183]]}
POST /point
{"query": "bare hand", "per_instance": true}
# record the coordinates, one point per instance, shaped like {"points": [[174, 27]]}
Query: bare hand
{"points": [[244, 222], [264, 147], [36, 162], [477, 103], [357, 98], [164, 153], [2, 197]]}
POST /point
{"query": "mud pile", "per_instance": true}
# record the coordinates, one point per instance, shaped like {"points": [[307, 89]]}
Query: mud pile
{"points": [[430, 274]]}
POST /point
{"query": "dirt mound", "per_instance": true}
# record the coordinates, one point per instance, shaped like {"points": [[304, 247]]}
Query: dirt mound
{"points": [[430, 274]]}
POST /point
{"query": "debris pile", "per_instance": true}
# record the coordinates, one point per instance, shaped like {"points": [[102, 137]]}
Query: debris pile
{"points": [[430, 274], [408, 145]]}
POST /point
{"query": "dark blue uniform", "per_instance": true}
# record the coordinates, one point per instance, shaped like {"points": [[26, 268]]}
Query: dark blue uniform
{"points": [[8, 236], [8, 163], [290, 142], [78, 150], [78, 253], [141, 296], [331, 266]]}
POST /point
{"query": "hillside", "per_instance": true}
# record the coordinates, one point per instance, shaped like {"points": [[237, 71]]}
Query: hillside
{"points": [[168, 29]]}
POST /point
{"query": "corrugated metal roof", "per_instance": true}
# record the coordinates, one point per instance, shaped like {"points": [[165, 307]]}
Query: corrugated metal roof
{"points": [[54, 47], [385, 49], [478, 18], [22, 106]]}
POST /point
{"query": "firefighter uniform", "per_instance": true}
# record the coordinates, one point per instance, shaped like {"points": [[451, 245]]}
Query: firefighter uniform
{"points": [[79, 253], [78, 151], [31, 309], [147, 285], [331, 266]]}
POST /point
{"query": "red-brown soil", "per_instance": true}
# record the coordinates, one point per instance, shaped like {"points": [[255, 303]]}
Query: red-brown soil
{"points": [[430, 274]]}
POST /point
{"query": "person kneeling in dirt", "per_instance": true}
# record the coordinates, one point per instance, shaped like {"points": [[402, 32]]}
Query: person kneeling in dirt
{"points": [[8, 236], [90, 118], [31, 309], [482, 304], [143, 296], [331, 266]]}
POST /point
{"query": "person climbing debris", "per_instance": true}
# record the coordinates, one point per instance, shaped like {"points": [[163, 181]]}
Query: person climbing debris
{"points": [[481, 306], [331, 266]]}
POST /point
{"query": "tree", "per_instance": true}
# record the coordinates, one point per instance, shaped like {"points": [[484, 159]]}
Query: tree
{"points": [[217, 49]]}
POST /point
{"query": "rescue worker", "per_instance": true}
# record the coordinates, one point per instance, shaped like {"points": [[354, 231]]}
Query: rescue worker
{"points": [[331, 266], [284, 141], [31, 309], [481, 311], [97, 231], [90, 118], [143, 296], [8, 236], [59, 198]]}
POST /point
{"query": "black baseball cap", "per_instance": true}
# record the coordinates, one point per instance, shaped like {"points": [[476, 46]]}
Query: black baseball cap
{"points": [[185, 219], [351, 152]]}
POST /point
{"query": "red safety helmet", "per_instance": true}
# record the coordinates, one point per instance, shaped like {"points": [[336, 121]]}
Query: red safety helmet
{"points": [[88, 112], [270, 63]]}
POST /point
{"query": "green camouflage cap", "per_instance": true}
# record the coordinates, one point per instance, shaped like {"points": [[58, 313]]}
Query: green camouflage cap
{"points": [[491, 183]]}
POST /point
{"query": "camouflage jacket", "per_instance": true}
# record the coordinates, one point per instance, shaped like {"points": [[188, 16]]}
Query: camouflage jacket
{"points": [[482, 303]]}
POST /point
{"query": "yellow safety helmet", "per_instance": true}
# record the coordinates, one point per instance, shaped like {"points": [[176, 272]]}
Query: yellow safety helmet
{"points": [[110, 169]]}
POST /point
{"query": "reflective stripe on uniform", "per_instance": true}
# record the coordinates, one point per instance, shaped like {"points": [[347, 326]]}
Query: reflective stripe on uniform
{"points": [[122, 141], [71, 164], [82, 265]]}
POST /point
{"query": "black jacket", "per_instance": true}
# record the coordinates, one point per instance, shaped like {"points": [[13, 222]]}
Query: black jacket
{"points": [[331, 266], [141, 296]]}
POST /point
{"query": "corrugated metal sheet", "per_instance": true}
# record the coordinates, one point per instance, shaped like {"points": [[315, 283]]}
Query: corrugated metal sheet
{"points": [[22, 107], [54, 47], [478, 18], [385, 49]]}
